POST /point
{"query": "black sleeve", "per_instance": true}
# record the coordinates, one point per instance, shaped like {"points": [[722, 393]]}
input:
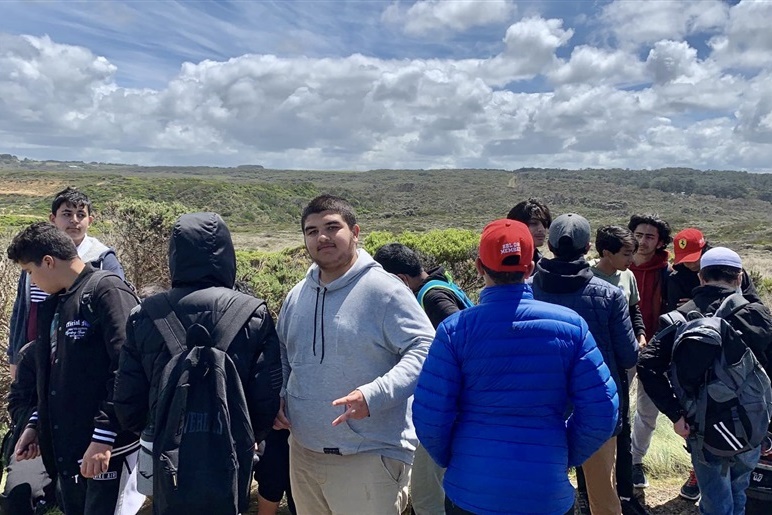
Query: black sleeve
{"points": [[113, 304], [653, 365], [636, 317], [22, 394], [265, 380], [754, 322], [439, 305], [748, 288], [132, 386]]}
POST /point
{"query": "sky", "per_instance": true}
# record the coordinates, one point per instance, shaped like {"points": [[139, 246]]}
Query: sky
{"points": [[359, 85]]}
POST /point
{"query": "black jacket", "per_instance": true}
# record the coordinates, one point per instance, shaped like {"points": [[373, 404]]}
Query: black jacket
{"points": [[440, 303], [681, 283], [753, 321], [203, 268], [75, 384]]}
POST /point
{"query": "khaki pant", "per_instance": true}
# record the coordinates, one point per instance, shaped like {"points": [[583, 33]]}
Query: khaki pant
{"points": [[426, 493], [645, 422], [601, 480], [328, 484]]}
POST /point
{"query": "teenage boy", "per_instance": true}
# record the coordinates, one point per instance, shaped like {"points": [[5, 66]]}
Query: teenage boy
{"points": [[493, 394], [723, 481], [202, 266], [71, 212], [616, 246], [650, 267], [353, 342], [688, 247], [536, 215], [567, 280], [81, 328], [441, 301]]}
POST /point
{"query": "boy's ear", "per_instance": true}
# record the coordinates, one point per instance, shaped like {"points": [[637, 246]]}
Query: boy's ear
{"points": [[51, 217], [48, 261]]}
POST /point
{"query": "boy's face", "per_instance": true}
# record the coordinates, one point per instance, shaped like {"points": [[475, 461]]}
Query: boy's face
{"points": [[74, 220], [648, 239], [329, 240], [621, 260], [538, 231], [44, 275]]}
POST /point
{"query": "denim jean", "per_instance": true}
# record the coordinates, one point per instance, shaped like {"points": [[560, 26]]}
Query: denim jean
{"points": [[724, 493]]}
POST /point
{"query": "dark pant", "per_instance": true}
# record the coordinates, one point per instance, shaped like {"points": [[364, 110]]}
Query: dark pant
{"points": [[272, 471], [624, 470], [81, 496], [452, 509]]}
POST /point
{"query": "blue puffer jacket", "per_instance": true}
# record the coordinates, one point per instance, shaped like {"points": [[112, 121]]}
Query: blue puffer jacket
{"points": [[492, 396], [602, 305]]}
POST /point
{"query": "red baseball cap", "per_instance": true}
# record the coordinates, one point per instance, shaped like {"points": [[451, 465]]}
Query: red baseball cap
{"points": [[504, 238], [688, 246]]}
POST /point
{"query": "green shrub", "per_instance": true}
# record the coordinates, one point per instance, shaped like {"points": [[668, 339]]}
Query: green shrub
{"points": [[272, 274], [140, 231], [454, 249]]}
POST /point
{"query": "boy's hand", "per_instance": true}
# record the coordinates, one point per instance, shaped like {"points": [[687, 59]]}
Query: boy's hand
{"points": [[681, 427], [356, 407], [27, 447], [641, 341], [95, 459], [281, 421]]}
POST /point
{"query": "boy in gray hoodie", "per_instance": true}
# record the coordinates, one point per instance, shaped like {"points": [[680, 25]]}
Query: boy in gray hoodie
{"points": [[353, 341]]}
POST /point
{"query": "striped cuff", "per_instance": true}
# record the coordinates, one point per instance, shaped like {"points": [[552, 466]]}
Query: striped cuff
{"points": [[103, 436], [33, 420]]}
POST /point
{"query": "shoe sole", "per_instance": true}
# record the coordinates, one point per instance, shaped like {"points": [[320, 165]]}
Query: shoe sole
{"points": [[689, 497]]}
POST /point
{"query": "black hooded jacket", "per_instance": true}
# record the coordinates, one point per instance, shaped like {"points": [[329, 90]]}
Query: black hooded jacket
{"points": [[753, 321], [681, 283], [202, 262]]}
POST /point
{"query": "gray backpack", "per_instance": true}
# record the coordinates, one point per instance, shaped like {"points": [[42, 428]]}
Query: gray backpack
{"points": [[720, 384]]}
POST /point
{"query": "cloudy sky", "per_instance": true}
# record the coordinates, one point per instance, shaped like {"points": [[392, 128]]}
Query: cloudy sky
{"points": [[335, 84]]}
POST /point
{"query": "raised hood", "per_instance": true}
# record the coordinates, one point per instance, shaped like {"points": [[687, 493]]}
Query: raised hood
{"points": [[201, 252]]}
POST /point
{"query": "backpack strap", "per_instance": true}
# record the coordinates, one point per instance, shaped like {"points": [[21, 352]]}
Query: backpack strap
{"points": [[87, 293], [448, 286], [731, 305], [166, 321], [233, 320]]}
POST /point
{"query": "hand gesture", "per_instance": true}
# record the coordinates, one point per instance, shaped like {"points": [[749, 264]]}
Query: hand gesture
{"points": [[95, 459], [356, 407]]}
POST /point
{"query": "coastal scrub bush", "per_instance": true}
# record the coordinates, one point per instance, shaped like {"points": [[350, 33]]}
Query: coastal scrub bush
{"points": [[454, 249], [140, 231]]}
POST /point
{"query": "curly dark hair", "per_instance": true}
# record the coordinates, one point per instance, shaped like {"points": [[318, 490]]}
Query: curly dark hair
{"points": [[663, 228]]}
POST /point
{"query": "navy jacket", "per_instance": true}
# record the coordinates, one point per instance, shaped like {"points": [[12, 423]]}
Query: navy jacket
{"points": [[492, 396], [602, 305]]}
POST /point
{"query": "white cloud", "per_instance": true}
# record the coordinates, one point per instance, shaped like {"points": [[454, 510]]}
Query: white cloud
{"points": [[747, 41], [592, 65], [548, 96], [427, 17], [638, 22]]}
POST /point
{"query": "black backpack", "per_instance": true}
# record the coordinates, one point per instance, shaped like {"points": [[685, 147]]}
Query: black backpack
{"points": [[203, 445], [720, 384]]}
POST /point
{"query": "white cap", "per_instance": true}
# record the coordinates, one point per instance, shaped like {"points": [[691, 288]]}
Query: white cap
{"points": [[720, 256]]}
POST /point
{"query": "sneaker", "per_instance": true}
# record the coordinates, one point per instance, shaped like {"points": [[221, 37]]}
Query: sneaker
{"points": [[690, 490], [633, 506], [639, 478]]}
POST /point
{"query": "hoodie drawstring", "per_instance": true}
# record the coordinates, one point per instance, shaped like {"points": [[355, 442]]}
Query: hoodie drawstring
{"points": [[324, 296], [316, 312]]}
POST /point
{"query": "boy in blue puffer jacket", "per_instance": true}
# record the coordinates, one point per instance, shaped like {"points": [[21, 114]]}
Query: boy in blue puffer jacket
{"points": [[492, 395]]}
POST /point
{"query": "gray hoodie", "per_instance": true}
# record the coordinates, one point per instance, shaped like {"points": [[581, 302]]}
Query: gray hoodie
{"points": [[366, 331]]}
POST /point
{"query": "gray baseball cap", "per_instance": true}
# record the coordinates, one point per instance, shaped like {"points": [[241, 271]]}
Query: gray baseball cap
{"points": [[575, 228]]}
